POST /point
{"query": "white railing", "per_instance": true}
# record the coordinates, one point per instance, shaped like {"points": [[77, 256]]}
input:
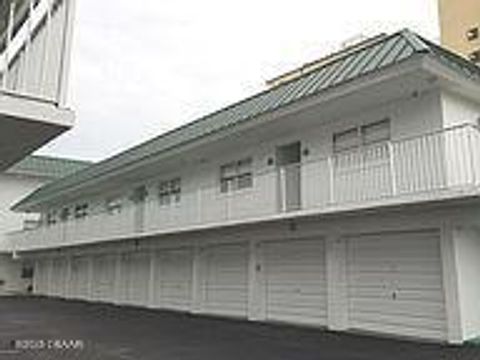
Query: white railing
{"points": [[442, 162], [36, 48]]}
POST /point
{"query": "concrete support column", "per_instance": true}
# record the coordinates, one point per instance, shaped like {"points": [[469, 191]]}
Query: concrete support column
{"points": [[50, 278], [337, 283], [90, 278], [197, 278], [450, 283], [151, 280], [68, 279], [117, 287], [256, 301]]}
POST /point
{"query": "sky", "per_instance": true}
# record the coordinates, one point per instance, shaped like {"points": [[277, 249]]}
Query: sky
{"points": [[140, 68]]}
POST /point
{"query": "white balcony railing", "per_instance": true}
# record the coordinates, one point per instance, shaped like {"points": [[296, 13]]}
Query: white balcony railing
{"points": [[35, 48], [429, 166]]}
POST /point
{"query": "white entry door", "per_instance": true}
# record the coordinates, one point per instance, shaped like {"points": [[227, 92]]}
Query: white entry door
{"points": [[225, 279], [103, 287], [173, 279], [58, 280], [395, 284], [295, 281]]}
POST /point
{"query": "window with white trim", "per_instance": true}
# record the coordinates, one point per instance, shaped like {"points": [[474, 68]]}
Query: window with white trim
{"points": [[170, 191], [369, 134], [236, 175]]}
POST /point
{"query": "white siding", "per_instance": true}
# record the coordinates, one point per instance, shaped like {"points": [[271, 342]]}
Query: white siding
{"points": [[395, 284]]}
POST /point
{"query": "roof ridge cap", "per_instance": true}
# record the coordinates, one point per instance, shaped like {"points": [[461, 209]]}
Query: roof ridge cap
{"points": [[415, 40]]}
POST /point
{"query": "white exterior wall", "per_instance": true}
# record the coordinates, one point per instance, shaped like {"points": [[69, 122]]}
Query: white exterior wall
{"points": [[467, 255], [13, 188]]}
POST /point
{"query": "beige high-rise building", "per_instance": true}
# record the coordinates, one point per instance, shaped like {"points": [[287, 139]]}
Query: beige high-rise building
{"points": [[460, 27]]}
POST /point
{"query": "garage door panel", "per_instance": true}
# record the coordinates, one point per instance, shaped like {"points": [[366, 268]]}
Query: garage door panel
{"points": [[395, 281], [225, 285], [173, 278], [295, 281], [79, 278], [103, 286], [135, 278]]}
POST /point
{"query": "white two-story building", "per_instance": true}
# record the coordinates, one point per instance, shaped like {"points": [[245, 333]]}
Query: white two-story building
{"points": [[346, 198]]}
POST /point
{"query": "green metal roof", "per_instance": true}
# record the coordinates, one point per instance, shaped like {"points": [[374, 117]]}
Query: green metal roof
{"points": [[45, 166], [386, 52]]}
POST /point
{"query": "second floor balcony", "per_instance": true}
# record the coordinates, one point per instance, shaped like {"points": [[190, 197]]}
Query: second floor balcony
{"points": [[35, 47], [440, 165]]}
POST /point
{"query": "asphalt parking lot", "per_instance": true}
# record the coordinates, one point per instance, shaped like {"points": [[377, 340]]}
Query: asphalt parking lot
{"points": [[40, 328]]}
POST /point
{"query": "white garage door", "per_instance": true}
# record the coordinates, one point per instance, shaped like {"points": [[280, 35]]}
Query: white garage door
{"points": [[103, 287], [135, 278], [79, 278], [395, 284], [295, 281], [40, 280], [225, 280], [58, 280], [173, 279]]}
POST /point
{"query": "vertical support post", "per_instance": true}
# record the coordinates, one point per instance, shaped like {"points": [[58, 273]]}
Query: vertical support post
{"points": [[393, 172], [28, 45], [49, 287], [151, 280], [331, 185], [68, 278], [46, 49], [66, 52], [90, 278], [256, 301], [472, 154], [337, 282], [118, 279], [11, 21], [197, 275], [450, 283]]}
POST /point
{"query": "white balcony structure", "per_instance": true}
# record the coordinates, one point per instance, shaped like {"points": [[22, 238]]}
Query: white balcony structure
{"points": [[436, 166], [35, 47]]}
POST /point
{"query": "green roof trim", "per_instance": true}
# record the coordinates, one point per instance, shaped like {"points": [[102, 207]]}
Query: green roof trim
{"points": [[377, 55], [46, 166]]}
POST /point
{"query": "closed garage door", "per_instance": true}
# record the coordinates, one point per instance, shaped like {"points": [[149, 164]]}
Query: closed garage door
{"points": [[295, 281], [135, 276], [58, 280], [173, 279], [225, 280], [40, 280], [104, 278], [395, 284], [79, 278]]}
